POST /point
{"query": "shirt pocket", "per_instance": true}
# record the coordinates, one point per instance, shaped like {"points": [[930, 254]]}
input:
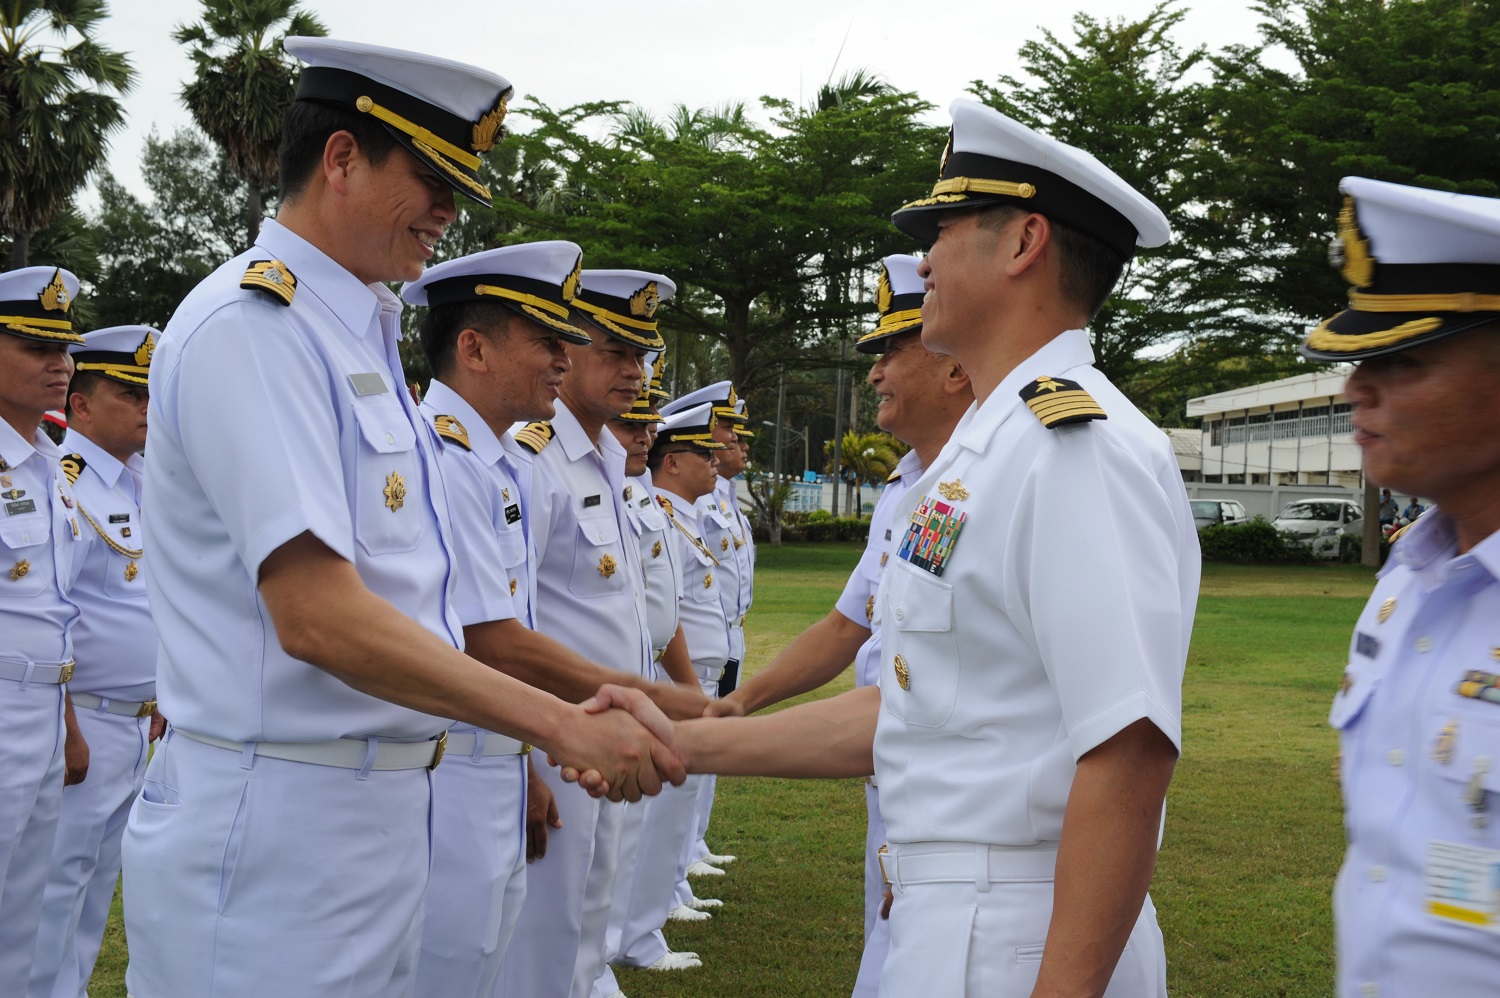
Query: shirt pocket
{"points": [[26, 553], [700, 579], [513, 558], [388, 483], [599, 567], [920, 669], [1463, 747]]}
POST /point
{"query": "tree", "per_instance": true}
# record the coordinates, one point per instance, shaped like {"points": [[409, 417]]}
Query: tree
{"points": [[868, 459], [152, 253], [59, 93], [243, 82]]}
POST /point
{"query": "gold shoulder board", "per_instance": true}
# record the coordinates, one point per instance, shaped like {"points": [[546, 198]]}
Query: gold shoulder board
{"points": [[72, 466], [1395, 534], [272, 277], [534, 436], [449, 428], [1057, 402], [894, 476]]}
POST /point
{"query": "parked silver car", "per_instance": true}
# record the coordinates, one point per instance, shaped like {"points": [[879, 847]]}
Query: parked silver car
{"points": [[1318, 523], [1207, 512]]}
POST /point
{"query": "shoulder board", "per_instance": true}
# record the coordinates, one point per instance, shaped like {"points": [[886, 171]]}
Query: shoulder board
{"points": [[534, 436], [1057, 402], [665, 504], [72, 466], [1397, 534], [894, 476], [272, 277], [449, 428]]}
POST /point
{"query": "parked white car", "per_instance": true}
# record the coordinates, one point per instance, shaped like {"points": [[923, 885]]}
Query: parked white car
{"points": [[1207, 512], [1318, 523]]}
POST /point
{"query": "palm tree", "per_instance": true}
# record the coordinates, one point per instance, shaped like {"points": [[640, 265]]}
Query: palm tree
{"points": [[868, 458], [59, 93], [243, 82]]}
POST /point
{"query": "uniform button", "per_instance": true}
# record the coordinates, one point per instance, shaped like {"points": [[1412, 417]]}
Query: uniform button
{"points": [[1377, 874], [1423, 644], [1370, 989], [27, 537], [899, 615], [390, 439], [1395, 757]]}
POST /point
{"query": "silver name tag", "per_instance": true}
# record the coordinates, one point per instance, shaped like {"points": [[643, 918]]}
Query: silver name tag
{"points": [[368, 384]]}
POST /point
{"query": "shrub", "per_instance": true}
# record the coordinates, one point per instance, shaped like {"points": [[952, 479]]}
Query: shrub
{"points": [[1253, 543], [827, 528]]}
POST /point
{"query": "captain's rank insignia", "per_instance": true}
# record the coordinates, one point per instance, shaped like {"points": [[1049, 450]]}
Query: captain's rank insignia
{"points": [[1058, 402], [395, 491]]}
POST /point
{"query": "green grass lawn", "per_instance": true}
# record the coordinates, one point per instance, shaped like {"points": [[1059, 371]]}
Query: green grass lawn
{"points": [[1253, 835]]}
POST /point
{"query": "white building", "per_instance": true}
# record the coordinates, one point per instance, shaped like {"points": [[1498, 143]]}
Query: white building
{"points": [[1290, 432]]}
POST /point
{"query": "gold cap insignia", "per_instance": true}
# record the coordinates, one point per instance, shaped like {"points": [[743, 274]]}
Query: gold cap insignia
{"points": [[20, 571], [947, 151], [953, 491], [144, 352], [490, 129], [54, 296], [607, 566], [656, 550], [570, 286], [644, 302], [1386, 609], [395, 491], [903, 674], [883, 293], [1349, 251]]}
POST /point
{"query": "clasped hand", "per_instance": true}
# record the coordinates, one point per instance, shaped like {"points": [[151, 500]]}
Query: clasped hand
{"points": [[622, 747]]}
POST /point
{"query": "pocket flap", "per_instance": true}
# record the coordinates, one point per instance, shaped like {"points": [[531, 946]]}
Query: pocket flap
{"points": [[27, 534], [385, 428], [599, 531], [918, 602]]}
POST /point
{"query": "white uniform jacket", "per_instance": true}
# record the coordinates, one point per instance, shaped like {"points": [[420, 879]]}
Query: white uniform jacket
{"points": [[702, 609], [42, 551], [663, 575]]}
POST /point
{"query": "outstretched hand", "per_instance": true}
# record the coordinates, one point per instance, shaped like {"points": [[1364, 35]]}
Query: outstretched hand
{"points": [[665, 756], [622, 753]]}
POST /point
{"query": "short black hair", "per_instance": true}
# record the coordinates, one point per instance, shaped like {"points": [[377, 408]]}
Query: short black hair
{"points": [[305, 129], [83, 382], [1089, 267], [442, 324]]}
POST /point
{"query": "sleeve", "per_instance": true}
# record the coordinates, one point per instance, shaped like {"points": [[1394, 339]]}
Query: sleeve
{"points": [[259, 426], [854, 601], [1106, 580], [481, 587]]}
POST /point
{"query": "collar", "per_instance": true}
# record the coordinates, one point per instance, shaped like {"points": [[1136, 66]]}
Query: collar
{"points": [[16, 450], [910, 466], [105, 465], [443, 400], [1430, 546], [568, 433], [354, 304], [1056, 357], [683, 511]]}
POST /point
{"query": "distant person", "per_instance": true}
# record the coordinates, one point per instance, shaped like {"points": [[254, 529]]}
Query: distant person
{"points": [[1418, 709], [1413, 510], [1388, 508]]}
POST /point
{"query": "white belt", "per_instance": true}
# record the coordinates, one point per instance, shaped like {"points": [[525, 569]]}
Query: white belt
{"points": [[125, 708], [36, 672], [708, 674], [344, 753], [909, 864], [463, 742]]}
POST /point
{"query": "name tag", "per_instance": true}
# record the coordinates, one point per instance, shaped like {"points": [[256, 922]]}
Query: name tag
{"points": [[1459, 884], [1367, 645], [17, 508], [512, 513], [119, 518], [590, 501], [368, 384]]}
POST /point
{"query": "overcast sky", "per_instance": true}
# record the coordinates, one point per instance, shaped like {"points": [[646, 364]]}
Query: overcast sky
{"points": [[695, 52]]}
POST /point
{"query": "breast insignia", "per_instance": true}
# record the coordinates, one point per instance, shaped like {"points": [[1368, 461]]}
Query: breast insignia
{"points": [[72, 466], [272, 277], [1057, 402], [903, 674], [449, 428], [534, 436]]}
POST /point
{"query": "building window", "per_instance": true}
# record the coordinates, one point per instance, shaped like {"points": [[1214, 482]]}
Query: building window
{"points": [[1260, 426], [1216, 433], [1341, 414], [1287, 424], [1315, 421]]}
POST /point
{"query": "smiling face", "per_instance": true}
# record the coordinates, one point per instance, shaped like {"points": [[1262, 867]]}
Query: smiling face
{"points": [[957, 276], [605, 379], [112, 415], [530, 376], [33, 378], [1427, 418], [393, 216]]}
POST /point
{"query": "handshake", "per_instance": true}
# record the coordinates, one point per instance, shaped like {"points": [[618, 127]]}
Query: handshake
{"points": [[620, 745]]}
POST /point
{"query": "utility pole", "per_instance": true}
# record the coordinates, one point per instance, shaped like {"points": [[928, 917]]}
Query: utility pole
{"points": [[780, 423]]}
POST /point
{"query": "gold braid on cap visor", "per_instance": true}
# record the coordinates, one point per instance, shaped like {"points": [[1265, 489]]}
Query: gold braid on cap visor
{"points": [[124, 372], [437, 148], [52, 329], [1324, 338]]}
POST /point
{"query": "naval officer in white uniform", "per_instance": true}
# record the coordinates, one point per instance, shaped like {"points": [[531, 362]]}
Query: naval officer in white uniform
{"points": [[42, 552], [922, 397], [302, 567], [1024, 804], [113, 689], [1418, 709]]}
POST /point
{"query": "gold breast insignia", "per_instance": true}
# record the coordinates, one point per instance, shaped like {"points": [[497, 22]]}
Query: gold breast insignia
{"points": [[724, 544], [395, 491], [1386, 609], [708, 581], [656, 550], [20, 571], [953, 491], [607, 566], [512, 587], [903, 674], [132, 569], [870, 610]]}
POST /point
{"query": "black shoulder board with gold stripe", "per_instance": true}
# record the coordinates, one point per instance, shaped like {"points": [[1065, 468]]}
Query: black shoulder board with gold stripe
{"points": [[534, 436], [272, 277], [1396, 534], [894, 476], [1057, 402], [72, 466], [449, 428]]}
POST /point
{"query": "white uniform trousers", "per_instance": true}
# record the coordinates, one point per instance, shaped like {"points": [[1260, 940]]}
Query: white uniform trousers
{"points": [[690, 847], [646, 893], [31, 777], [250, 876], [598, 894], [632, 822], [955, 940], [86, 854], [478, 880], [544, 949], [877, 929]]}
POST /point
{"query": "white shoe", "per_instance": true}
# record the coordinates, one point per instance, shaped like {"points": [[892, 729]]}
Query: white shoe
{"points": [[676, 961], [682, 913], [719, 859], [703, 904], [702, 869]]}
